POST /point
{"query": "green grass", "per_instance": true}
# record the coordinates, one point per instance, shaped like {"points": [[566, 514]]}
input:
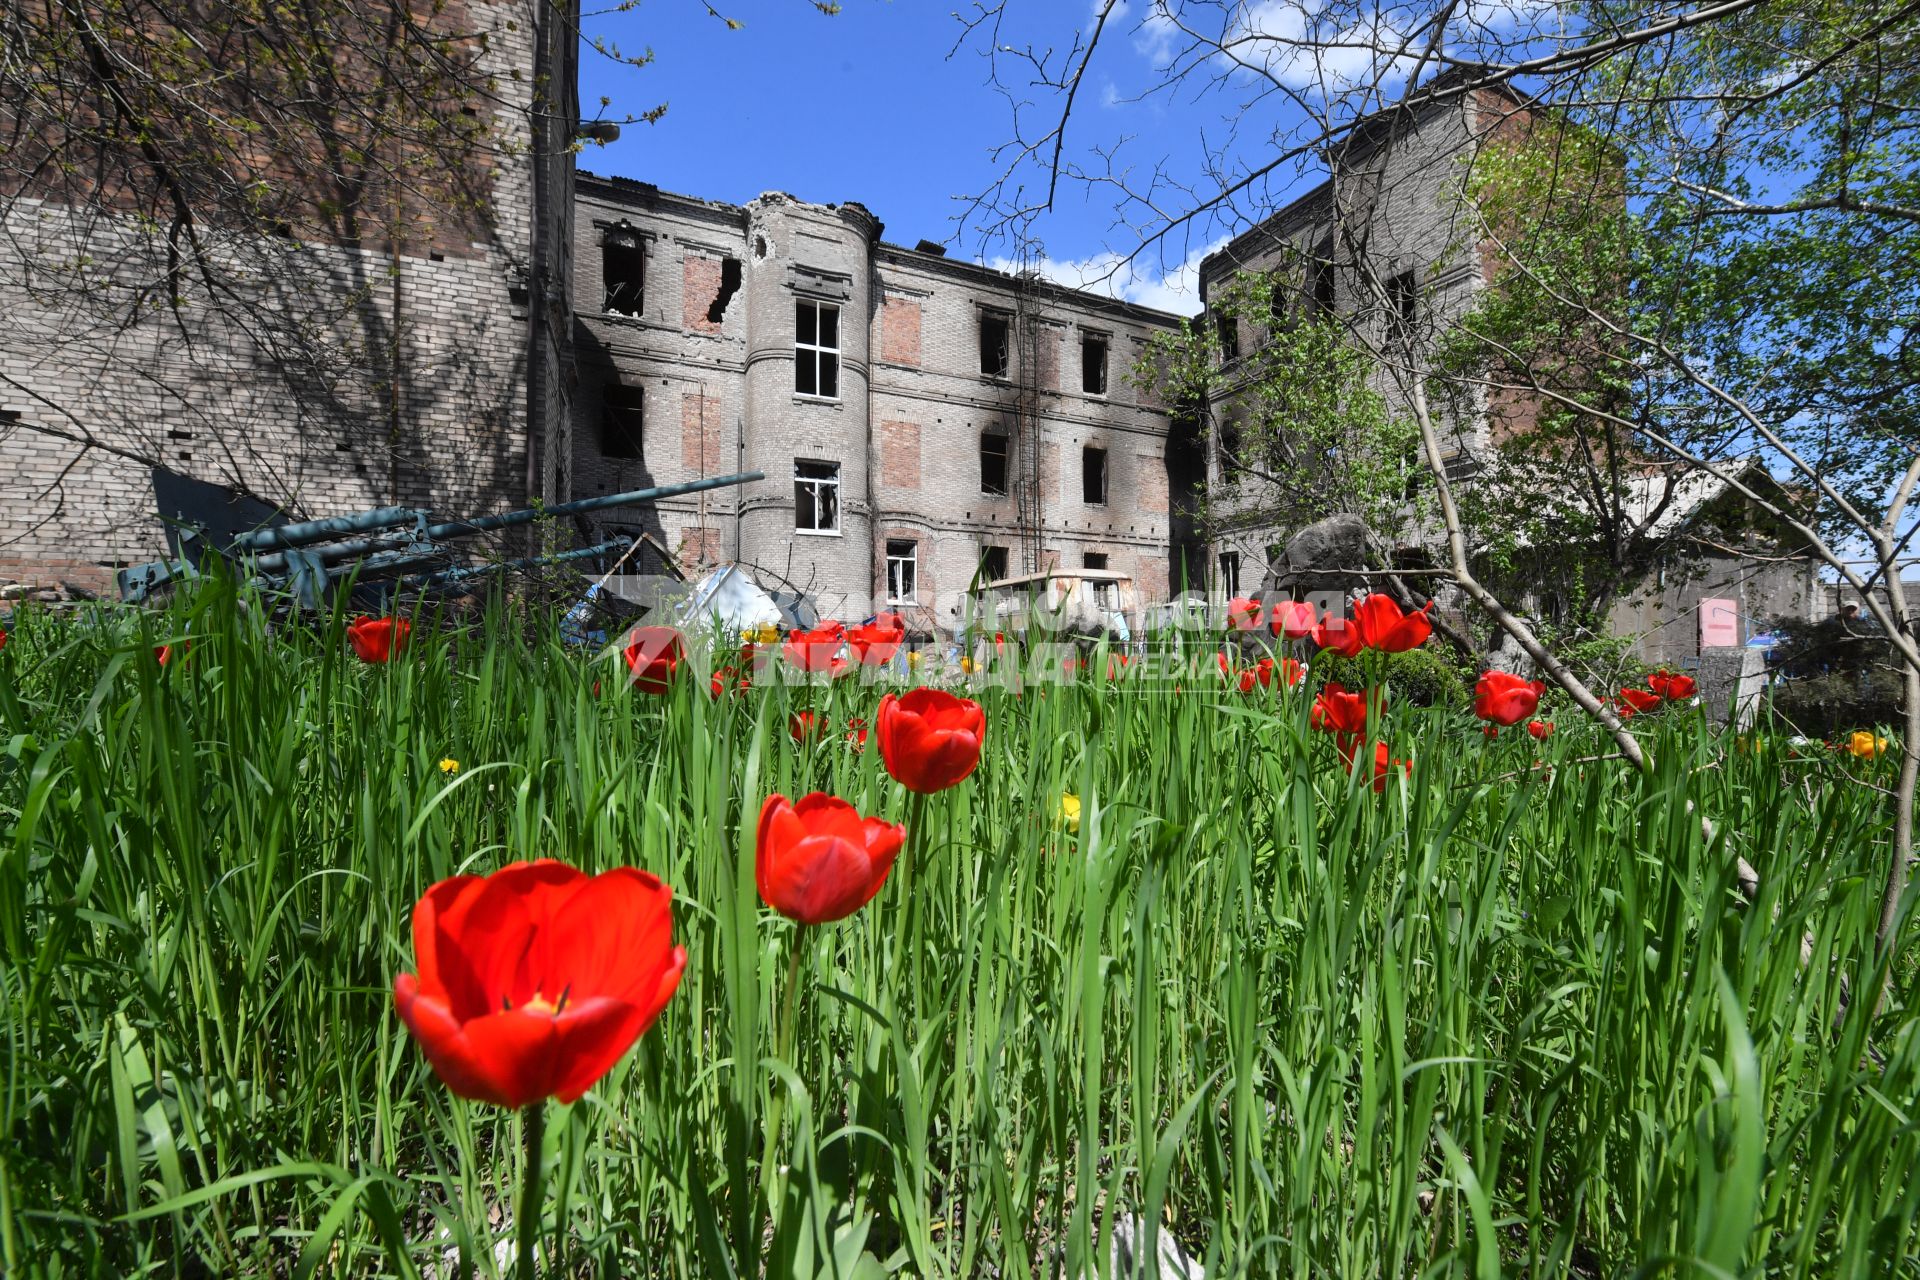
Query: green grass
{"points": [[1499, 1020]]}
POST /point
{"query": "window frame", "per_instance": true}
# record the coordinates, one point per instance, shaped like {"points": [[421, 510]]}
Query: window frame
{"points": [[1006, 463], [1229, 562], [1090, 339], [1087, 453], [911, 559], [816, 354], [987, 552], [609, 392], [639, 250], [1005, 320], [817, 484]]}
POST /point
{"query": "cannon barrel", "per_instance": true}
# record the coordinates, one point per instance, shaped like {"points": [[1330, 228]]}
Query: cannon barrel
{"points": [[299, 535], [506, 519]]}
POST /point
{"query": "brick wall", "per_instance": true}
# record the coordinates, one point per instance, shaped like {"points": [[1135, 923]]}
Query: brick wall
{"points": [[900, 330]]}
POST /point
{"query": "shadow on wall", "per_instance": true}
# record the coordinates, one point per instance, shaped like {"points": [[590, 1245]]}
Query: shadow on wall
{"points": [[1186, 460], [610, 451]]}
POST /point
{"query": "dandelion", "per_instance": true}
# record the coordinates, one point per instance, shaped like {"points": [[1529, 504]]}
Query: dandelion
{"points": [[449, 765]]}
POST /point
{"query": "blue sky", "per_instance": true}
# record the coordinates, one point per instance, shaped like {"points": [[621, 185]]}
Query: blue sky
{"points": [[876, 105]]}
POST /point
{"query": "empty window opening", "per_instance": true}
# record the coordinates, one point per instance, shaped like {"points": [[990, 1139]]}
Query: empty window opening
{"points": [[993, 463], [729, 285], [1229, 443], [816, 496], [622, 417], [996, 336], [759, 247], [1093, 364], [623, 262], [1093, 475], [903, 570], [1320, 279], [993, 564], [1403, 306], [1282, 298], [816, 349], [1230, 572], [1094, 560], [1229, 330]]}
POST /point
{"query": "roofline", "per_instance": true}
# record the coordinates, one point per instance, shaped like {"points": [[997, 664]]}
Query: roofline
{"points": [[641, 194]]}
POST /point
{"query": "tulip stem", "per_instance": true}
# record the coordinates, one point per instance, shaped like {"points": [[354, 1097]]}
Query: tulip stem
{"points": [[782, 1044], [534, 1125], [909, 932]]}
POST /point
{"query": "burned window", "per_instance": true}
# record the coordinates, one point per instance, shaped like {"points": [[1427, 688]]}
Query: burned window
{"points": [[1228, 329], [1093, 364], [1094, 560], [1230, 572], [1093, 475], [903, 565], [1283, 299], [816, 349], [622, 417], [816, 496], [1403, 307], [993, 564], [993, 463], [623, 274], [1320, 279], [996, 344], [729, 285], [1229, 441]]}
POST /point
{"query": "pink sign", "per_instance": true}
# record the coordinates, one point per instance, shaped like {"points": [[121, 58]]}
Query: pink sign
{"points": [[1719, 623]]}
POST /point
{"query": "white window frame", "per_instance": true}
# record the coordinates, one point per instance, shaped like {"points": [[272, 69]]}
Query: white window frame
{"points": [[814, 352], [818, 484], [1229, 562], [911, 560]]}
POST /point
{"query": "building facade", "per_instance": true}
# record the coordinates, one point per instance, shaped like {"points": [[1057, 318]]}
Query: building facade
{"points": [[921, 422]]}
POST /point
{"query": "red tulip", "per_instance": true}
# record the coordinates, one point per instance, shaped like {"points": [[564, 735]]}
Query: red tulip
{"points": [[804, 726], [1383, 765], [1342, 635], [814, 650], [1243, 614], [1384, 627], [3, 637], [164, 653], [1639, 699], [930, 739], [857, 732], [875, 643], [1505, 698], [1337, 711], [1291, 618], [1540, 728], [1291, 673], [536, 979], [654, 655], [1674, 688], [379, 639], [819, 861], [1250, 677]]}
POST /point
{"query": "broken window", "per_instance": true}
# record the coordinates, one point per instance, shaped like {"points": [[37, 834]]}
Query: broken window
{"points": [[1229, 330], [1230, 572], [1403, 307], [1320, 279], [816, 496], [622, 416], [993, 564], [729, 285], [1229, 443], [816, 349], [993, 463], [1094, 560], [1093, 475], [1093, 364], [623, 262], [903, 566], [996, 338]]}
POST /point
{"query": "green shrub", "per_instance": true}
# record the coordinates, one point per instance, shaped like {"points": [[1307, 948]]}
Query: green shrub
{"points": [[1421, 677]]}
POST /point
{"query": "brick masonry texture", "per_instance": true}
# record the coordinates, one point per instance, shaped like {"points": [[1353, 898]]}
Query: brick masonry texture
{"points": [[215, 402]]}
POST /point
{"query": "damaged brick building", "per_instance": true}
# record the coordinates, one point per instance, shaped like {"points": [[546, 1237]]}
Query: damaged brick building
{"points": [[919, 420]]}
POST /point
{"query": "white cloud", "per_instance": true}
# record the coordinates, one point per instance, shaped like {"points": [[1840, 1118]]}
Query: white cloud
{"points": [[1285, 40], [1176, 290]]}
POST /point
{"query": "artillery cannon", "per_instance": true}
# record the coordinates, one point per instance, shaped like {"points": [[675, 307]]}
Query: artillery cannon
{"points": [[309, 558]]}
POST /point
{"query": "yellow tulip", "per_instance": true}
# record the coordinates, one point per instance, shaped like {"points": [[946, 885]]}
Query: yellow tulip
{"points": [[1865, 745], [1070, 812]]}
